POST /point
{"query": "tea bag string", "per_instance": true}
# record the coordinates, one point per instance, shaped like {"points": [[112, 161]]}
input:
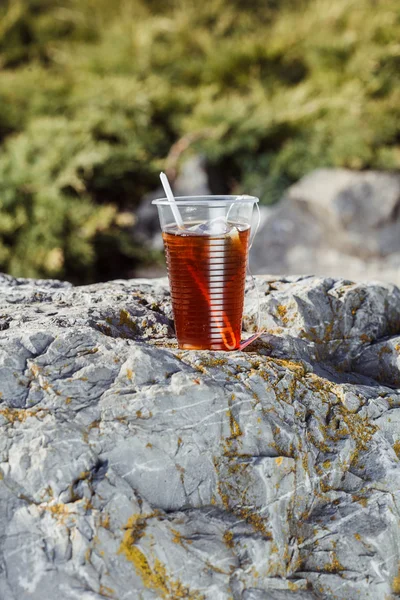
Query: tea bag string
{"points": [[260, 330]]}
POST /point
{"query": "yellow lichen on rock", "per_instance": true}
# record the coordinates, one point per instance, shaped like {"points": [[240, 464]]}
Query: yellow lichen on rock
{"points": [[282, 312], [334, 566], [228, 539], [105, 521], [20, 415], [396, 448], [396, 583], [125, 319], [154, 576], [292, 586], [236, 432]]}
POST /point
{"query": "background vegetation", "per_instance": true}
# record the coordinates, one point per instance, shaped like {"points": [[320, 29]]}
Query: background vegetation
{"points": [[94, 93]]}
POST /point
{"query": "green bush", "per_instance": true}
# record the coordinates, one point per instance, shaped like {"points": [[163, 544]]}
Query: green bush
{"points": [[94, 93]]}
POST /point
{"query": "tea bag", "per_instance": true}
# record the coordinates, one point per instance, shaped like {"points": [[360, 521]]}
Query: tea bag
{"points": [[217, 226]]}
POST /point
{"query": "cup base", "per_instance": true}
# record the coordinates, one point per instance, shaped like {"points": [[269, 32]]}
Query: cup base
{"points": [[214, 348]]}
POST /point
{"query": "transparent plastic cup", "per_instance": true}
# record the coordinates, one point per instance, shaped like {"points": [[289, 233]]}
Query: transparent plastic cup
{"points": [[207, 260]]}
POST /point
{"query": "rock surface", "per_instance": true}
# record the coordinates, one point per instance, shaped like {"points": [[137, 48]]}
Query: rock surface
{"points": [[133, 470], [334, 222]]}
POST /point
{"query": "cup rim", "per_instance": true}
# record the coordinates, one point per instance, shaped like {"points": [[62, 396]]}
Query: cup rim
{"points": [[210, 200]]}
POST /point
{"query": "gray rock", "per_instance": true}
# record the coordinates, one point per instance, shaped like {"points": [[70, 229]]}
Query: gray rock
{"points": [[130, 469], [192, 179], [334, 222]]}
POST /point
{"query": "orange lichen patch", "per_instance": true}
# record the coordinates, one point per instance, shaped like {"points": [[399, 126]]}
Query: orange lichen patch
{"points": [[282, 312], [68, 401], [365, 338], [180, 468], [125, 319], [129, 374], [294, 366], [35, 370], [396, 583], [235, 431], [234, 427], [228, 539], [334, 566], [93, 425], [359, 428], [157, 579], [360, 499], [87, 504], [357, 536], [177, 538], [134, 529], [292, 586], [396, 448], [154, 576], [59, 510], [196, 381], [105, 521], [279, 460], [254, 519], [318, 384], [216, 569], [20, 415], [213, 362], [312, 334], [345, 423], [324, 487]]}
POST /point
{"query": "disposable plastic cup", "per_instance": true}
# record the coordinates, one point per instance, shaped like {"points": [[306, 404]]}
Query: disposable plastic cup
{"points": [[207, 260]]}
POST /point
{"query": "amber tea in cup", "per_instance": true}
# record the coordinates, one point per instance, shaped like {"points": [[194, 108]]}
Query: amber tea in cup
{"points": [[207, 257]]}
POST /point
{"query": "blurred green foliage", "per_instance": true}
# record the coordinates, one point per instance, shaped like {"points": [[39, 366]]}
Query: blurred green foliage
{"points": [[94, 93]]}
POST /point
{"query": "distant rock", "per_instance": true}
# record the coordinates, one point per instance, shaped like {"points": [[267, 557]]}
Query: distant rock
{"points": [[130, 469], [192, 179], [337, 223]]}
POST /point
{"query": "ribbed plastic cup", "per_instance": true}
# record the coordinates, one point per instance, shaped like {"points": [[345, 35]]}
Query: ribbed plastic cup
{"points": [[207, 260]]}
